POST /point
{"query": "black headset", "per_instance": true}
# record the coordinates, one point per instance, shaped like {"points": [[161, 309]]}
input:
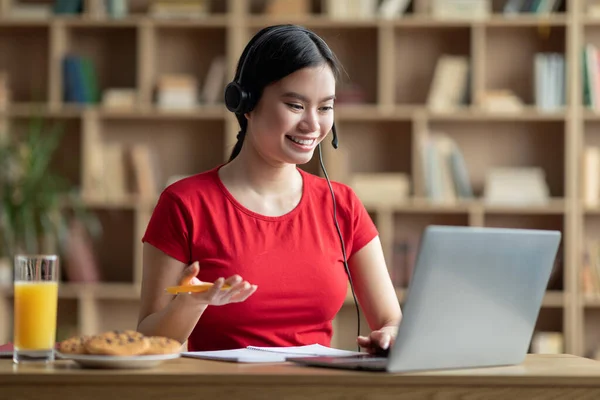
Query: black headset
{"points": [[240, 101]]}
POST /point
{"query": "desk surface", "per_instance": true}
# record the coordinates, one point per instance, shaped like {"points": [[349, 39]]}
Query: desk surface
{"points": [[538, 376]]}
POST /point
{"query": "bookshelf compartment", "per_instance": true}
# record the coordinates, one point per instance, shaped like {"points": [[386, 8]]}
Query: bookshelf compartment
{"points": [[415, 61], [67, 324], [372, 147], [591, 327], [67, 157], [498, 7], [356, 49], [24, 58], [540, 221], [550, 321], [117, 314], [589, 272], [509, 144], [178, 147], [112, 55], [113, 251], [591, 136], [517, 73], [408, 229], [143, 8], [188, 51], [285, 8], [589, 165]]}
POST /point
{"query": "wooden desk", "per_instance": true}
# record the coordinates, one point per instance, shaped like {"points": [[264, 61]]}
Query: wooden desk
{"points": [[539, 377]]}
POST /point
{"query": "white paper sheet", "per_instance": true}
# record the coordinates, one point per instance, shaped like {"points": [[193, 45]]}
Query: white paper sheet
{"points": [[254, 354]]}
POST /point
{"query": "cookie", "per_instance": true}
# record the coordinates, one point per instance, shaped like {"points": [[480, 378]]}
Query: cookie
{"points": [[74, 345], [118, 343], [162, 345]]}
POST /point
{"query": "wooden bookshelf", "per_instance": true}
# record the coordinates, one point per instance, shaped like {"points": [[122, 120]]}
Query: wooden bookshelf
{"points": [[393, 60]]}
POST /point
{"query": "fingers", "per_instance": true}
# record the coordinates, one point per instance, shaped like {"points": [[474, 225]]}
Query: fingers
{"points": [[238, 291], [365, 343], [381, 339], [363, 340], [245, 291], [189, 273], [376, 342]]}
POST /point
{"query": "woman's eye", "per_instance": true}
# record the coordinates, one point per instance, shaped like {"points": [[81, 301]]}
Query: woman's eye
{"points": [[327, 108], [295, 106]]}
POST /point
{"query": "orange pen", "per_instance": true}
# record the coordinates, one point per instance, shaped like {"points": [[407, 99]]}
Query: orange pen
{"points": [[192, 288]]}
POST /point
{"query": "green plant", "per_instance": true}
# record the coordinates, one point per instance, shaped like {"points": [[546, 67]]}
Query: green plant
{"points": [[36, 204]]}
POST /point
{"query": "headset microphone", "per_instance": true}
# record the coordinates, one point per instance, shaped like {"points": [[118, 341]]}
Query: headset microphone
{"points": [[334, 141]]}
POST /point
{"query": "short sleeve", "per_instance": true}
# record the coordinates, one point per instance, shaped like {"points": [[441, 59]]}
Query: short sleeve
{"points": [[168, 228], [364, 229]]}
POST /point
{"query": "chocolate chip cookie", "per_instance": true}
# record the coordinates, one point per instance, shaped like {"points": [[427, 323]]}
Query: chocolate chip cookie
{"points": [[162, 345], [118, 343], [74, 345]]}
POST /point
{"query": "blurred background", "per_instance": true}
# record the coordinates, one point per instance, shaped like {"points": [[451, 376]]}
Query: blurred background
{"points": [[455, 112]]}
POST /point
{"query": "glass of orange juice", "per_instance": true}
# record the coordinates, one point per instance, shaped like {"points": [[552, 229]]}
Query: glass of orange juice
{"points": [[36, 304]]}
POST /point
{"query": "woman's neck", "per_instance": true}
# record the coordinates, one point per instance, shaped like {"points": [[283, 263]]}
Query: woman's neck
{"points": [[250, 171]]}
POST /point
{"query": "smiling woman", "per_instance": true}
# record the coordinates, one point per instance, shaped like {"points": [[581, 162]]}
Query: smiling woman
{"points": [[263, 226]]}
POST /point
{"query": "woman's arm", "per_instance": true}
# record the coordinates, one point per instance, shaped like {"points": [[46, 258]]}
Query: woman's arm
{"points": [[376, 294], [162, 314]]}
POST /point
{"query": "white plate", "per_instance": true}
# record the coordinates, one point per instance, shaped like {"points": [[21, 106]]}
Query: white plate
{"points": [[118, 362]]}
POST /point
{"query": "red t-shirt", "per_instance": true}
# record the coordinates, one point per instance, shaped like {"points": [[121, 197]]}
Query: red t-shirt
{"points": [[295, 259]]}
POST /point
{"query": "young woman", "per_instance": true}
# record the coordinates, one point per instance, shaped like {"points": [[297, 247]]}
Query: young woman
{"points": [[264, 227]]}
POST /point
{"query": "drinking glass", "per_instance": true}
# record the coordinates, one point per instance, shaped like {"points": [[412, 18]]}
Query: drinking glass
{"points": [[36, 304]]}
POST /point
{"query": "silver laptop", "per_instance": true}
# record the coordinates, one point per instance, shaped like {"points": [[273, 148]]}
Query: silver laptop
{"points": [[473, 301]]}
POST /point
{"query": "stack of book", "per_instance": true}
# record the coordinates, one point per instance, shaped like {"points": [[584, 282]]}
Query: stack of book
{"points": [[177, 91], [179, 9], [80, 80], [549, 85]]}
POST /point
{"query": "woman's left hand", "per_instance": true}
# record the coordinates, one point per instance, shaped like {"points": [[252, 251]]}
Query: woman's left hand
{"points": [[378, 341]]}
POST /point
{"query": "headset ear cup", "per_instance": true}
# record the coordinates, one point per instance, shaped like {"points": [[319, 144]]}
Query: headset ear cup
{"points": [[237, 100], [233, 96]]}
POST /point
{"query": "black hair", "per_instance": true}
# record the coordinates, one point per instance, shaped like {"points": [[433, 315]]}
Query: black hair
{"points": [[288, 49]]}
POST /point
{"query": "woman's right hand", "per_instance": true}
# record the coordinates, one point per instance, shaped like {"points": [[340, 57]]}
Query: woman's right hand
{"points": [[238, 291]]}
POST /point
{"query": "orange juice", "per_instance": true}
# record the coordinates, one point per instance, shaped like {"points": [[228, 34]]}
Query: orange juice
{"points": [[36, 304]]}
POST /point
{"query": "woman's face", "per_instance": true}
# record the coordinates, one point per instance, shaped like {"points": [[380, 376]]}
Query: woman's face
{"points": [[293, 116]]}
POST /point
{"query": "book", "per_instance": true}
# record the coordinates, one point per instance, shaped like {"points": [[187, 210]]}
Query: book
{"points": [[254, 354], [6, 350]]}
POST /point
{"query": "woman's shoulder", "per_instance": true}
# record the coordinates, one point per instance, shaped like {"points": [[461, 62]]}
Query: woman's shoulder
{"points": [[319, 185], [193, 186]]}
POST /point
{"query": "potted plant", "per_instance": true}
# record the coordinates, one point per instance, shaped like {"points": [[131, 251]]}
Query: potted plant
{"points": [[37, 206]]}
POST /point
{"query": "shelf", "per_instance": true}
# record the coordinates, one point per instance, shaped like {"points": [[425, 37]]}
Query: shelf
{"points": [[591, 300], [392, 60], [552, 299], [178, 147], [203, 112], [68, 157], [419, 205], [25, 56], [312, 22], [523, 43], [474, 114], [97, 290], [111, 51], [188, 50], [414, 66]]}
